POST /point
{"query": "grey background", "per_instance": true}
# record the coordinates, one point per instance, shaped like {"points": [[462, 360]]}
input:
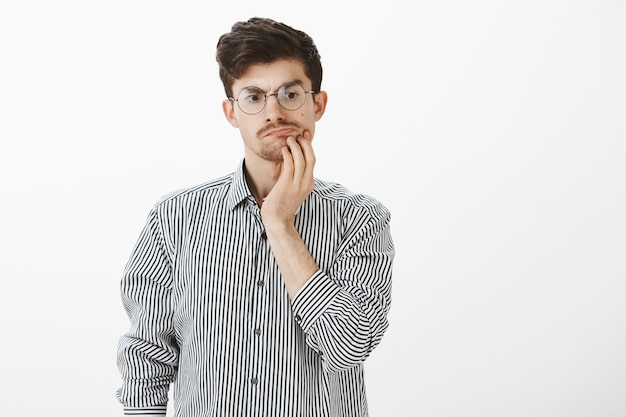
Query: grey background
{"points": [[494, 131]]}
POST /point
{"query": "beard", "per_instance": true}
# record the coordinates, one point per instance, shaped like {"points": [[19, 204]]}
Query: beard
{"points": [[272, 152], [270, 149]]}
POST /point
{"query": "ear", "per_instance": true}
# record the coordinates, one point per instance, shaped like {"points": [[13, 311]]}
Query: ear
{"points": [[320, 104], [228, 106]]}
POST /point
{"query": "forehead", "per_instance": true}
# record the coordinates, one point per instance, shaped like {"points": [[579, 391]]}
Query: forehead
{"points": [[269, 77]]}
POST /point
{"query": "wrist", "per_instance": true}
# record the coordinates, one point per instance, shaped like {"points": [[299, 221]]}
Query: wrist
{"points": [[278, 225]]}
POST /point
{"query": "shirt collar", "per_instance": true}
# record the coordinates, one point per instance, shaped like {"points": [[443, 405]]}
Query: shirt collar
{"points": [[239, 190]]}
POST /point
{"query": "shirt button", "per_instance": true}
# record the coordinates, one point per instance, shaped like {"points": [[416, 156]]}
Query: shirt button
{"points": [[255, 381], [260, 283], [298, 318], [257, 332], [263, 235]]}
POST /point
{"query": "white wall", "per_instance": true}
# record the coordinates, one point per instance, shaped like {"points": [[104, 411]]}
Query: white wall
{"points": [[494, 131]]}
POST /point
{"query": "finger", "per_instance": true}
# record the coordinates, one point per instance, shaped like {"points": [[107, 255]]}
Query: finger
{"points": [[299, 163], [309, 156], [287, 168]]}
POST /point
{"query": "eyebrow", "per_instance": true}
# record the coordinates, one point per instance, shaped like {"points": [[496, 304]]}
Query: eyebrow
{"points": [[296, 81]]}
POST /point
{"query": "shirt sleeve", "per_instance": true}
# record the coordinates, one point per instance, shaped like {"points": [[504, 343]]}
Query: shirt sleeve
{"points": [[147, 353], [343, 309]]}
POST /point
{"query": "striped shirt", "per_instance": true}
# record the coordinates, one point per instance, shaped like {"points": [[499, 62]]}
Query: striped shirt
{"points": [[209, 312]]}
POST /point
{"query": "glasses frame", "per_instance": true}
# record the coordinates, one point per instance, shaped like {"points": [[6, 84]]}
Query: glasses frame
{"points": [[266, 95]]}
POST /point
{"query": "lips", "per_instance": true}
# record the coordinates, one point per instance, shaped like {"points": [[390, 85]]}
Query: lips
{"points": [[279, 130], [285, 131]]}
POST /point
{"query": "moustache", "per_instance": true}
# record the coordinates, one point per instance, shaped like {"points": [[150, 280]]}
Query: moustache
{"points": [[273, 126]]}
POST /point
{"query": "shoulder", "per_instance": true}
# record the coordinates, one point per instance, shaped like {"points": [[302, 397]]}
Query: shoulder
{"points": [[338, 194], [215, 187]]}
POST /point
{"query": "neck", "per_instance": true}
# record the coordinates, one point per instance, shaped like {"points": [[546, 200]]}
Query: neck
{"points": [[261, 177]]}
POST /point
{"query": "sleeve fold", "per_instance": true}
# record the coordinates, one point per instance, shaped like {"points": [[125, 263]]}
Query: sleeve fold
{"points": [[343, 310], [147, 353]]}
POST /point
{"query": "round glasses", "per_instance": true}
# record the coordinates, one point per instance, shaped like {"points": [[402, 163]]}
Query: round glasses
{"points": [[290, 96]]}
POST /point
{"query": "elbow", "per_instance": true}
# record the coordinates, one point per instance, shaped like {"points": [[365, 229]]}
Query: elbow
{"points": [[349, 348]]}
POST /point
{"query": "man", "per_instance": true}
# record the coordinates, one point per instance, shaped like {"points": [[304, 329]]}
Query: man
{"points": [[263, 292]]}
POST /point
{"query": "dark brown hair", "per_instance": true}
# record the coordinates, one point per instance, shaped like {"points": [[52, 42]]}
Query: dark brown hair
{"points": [[263, 41]]}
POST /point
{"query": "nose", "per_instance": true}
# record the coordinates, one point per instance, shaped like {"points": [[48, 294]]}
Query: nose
{"points": [[273, 109]]}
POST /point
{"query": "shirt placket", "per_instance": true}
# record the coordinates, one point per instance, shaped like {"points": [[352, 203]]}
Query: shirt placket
{"points": [[258, 313]]}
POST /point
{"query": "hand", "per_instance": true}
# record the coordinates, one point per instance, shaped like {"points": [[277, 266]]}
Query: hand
{"points": [[294, 184]]}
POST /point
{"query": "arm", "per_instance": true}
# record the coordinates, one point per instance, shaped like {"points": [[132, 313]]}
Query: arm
{"points": [[147, 353], [278, 210], [343, 311]]}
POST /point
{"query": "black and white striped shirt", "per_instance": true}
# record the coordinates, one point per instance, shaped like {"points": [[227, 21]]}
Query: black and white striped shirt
{"points": [[209, 311]]}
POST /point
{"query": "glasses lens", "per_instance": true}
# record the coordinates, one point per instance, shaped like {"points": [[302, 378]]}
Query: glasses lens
{"points": [[251, 100], [291, 96]]}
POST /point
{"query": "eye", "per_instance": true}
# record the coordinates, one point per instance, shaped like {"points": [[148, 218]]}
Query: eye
{"points": [[291, 92], [251, 95]]}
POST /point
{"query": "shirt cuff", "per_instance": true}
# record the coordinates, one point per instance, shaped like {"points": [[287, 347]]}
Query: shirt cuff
{"points": [[153, 411], [313, 299]]}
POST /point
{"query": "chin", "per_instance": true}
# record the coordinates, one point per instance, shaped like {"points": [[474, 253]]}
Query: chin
{"points": [[272, 155]]}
